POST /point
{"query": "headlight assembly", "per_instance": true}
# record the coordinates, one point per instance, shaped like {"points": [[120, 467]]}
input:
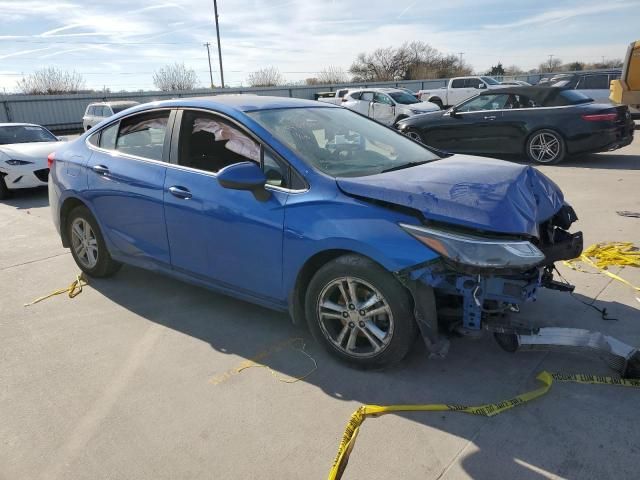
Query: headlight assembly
{"points": [[477, 251], [17, 162]]}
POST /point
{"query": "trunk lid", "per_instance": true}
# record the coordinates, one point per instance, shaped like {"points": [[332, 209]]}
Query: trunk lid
{"points": [[472, 192]]}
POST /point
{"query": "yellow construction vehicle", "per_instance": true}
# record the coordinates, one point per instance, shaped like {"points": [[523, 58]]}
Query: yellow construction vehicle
{"points": [[627, 90]]}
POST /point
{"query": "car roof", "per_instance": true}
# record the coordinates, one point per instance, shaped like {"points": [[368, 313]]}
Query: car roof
{"points": [[243, 103], [543, 96], [116, 103], [20, 124]]}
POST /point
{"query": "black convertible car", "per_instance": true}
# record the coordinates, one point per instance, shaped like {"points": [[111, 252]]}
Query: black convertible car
{"points": [[545, 123]]}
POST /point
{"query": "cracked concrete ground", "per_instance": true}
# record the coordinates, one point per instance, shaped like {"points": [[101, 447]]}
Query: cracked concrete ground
{"points": [[124, 382]]}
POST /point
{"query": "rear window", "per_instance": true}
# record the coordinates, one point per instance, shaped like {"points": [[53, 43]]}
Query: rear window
{"points": [[574, 97]]}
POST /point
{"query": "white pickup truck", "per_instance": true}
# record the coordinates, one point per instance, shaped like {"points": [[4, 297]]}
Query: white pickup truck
{"points": [[332, 97], [458, 90]]}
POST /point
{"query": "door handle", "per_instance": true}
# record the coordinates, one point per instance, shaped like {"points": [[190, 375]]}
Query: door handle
{"points": [[180, 192], [490, 117], [101, 169]]}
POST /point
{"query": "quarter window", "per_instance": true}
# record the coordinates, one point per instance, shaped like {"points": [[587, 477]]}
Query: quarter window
{"points": [[209, 143], [108, 137], [143, 135], [367, 96], [276, 174]]}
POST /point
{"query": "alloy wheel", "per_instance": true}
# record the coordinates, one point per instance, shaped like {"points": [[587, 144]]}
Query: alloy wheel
{"points": [[412, 134], [84, 243], [355, 317], [545, 147]]}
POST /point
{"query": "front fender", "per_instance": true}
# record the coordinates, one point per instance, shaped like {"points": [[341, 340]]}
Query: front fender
{"points": [[350, 225]]}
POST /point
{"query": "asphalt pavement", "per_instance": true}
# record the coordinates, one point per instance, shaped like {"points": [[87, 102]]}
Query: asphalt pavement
{"points": [[136, 378]]}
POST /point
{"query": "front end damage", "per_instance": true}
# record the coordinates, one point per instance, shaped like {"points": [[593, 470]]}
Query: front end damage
{"points": [[452, 296]]}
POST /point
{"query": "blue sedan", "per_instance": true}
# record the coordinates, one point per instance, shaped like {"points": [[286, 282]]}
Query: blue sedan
{"points": [[353, 228]]}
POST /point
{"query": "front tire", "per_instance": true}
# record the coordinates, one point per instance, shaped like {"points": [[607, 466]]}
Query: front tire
{"points": [[4, 191], [360, 313], [87, 244], [546, 147]]}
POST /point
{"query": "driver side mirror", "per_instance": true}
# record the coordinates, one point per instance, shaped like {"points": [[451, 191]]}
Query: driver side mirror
{"points": [[454, 112], [244, 176]]}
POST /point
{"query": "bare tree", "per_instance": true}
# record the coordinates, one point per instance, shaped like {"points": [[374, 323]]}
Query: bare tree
{"points": [[175, 77], [312, 81], [51, 80], [551, 65], [513, 70], [333, 74], [414, 60], [265, 77]]}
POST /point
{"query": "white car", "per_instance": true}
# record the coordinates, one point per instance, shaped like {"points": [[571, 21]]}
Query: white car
{"points": [[386, 105], [458, 89], [24, 149], [97, 112], [336, 97]]}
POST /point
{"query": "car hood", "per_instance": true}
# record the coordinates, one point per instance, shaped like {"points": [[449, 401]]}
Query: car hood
{"points": [[32, 152], [423, 106], [472, 192]]}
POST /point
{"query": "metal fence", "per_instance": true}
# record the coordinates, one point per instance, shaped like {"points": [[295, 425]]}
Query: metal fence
{"points": [[64, 112]]}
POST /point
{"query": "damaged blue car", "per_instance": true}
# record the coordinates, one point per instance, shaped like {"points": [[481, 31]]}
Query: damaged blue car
{"points": [[367, 236]]}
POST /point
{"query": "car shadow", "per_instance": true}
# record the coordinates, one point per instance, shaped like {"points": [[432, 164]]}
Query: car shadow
{"points": [[26, 198], [474, 372]]}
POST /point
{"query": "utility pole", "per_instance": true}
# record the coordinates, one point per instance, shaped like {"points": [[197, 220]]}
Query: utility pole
{"points": [[209, 57], [215, 11], [461, 54], [550, 60]]}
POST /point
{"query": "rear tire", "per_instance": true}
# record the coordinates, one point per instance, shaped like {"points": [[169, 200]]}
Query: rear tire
{"points": [[360, 313], [87, 244], [4, 191], [546, 147]]}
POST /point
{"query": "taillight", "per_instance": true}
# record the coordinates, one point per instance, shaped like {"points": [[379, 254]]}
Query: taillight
{"points": [[600, 117], [50, 159]]}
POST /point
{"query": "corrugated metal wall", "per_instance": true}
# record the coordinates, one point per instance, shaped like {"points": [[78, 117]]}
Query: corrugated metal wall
{"points": [[64, 112]]}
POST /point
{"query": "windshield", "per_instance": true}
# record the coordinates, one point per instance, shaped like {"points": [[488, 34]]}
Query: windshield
{"points": [[341, 143], [404, 98], [490, 81], [25, 134]]}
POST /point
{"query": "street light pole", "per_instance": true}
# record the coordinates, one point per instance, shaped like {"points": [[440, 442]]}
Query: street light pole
{"points": [[215, 11], [209, 57]]}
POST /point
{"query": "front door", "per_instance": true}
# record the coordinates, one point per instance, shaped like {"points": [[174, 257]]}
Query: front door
{"points": [[228, 237], [126, 181], [476, 125], [383, 108]]}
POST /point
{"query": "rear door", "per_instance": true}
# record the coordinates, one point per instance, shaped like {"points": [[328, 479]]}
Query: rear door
{"points": [[224, 236], [364, 103], [126, 182]]}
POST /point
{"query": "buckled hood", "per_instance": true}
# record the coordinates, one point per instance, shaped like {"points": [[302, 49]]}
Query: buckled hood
{"points": [[472, 192]]}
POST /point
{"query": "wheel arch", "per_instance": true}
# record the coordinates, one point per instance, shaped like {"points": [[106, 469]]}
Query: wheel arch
{"points": [[67, 206], [306, 273]]}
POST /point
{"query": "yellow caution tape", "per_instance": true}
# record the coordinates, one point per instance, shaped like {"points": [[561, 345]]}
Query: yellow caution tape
{"points": [[73, 290], [488, 410], [603, 255], [254, 362]]}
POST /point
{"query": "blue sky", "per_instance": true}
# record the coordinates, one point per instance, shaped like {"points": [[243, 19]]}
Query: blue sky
{"points": [[119, 43]]}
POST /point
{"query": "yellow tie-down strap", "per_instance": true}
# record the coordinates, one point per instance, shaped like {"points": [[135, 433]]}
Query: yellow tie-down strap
{"points": [[488, 410], [603, 255]]}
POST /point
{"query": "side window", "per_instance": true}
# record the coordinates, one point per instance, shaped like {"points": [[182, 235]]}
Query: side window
{"points": [[210, 143], [485, 102], [457, 83], [108, 137], [106, 111], [341, 93], [277, 174], [94, 139], [356, 95], [382, 98], [472, 82], [367, 96], [143, 135], [90, 110]]}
